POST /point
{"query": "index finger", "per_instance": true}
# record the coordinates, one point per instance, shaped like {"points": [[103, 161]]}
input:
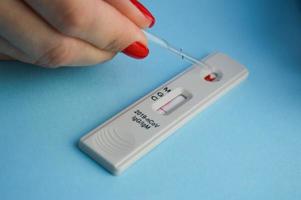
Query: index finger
{"points": [[135, 11]]}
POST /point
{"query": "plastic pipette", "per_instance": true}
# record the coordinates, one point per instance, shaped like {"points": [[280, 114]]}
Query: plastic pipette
{"points": [[163, 43]]}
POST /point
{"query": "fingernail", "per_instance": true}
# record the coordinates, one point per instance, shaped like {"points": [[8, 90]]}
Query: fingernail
{"points": [[136, 50], [145, 11]]}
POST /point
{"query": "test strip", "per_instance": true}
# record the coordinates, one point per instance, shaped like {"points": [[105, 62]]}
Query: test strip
{"points": [[172, 104], [123, 139]]}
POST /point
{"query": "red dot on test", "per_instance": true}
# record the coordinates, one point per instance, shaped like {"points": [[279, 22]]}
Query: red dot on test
{"points": [[211, 77]]}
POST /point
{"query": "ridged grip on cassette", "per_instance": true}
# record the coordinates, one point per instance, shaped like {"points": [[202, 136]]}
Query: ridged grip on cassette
{"points": [[115, 142]]}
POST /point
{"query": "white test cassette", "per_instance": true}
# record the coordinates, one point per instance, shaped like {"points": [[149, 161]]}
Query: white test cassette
{"points": [[123, 139]]}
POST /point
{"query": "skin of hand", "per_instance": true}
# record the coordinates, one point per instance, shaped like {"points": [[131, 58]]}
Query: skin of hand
{"points": [[54, 33]]}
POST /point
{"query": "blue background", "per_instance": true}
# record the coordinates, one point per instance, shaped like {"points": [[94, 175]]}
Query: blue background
{"points": [[245, 146]]}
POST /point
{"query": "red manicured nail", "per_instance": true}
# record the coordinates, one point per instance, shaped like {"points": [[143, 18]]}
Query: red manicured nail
{"points": [[136, 50], [145, 11]]}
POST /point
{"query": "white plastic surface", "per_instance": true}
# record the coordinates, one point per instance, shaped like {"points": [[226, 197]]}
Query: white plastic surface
{"points": [[172, 104], [133, 132]]}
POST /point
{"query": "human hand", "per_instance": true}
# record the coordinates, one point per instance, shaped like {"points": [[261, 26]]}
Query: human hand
{"points": [[53, 33]]}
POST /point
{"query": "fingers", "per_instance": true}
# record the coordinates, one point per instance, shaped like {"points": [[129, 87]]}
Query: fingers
{"points": [[72, 52], [5, 57], [9, 52], [76, 32], [135, 11], [38, 43], [94, 21], [51, 59]]}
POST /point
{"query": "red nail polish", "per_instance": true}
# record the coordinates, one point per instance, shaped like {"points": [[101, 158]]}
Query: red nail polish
{"points": [[136, 50], [145, 11]]}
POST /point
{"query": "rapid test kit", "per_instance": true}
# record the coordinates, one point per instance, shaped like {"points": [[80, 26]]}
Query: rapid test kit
{"points": [[126, 137]]}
